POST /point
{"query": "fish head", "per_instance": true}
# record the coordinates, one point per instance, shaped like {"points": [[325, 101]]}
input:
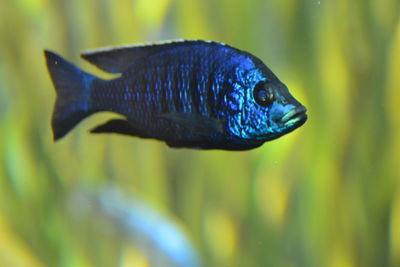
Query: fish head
{"points": [[261, 108]]}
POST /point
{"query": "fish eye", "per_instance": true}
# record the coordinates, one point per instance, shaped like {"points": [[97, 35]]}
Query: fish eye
{"points": [[263, 95]]}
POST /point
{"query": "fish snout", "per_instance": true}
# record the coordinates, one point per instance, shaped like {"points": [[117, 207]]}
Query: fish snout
{"points": [[294, 116]]}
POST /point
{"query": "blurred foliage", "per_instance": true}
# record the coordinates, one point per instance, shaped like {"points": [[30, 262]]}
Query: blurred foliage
{"points": [[327, 194]]}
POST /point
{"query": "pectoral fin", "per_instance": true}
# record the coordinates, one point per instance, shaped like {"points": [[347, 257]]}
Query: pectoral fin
{"points": [[195, 125]]}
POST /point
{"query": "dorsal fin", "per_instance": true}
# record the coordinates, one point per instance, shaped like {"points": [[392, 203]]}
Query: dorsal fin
{"points": [[118, 59]]}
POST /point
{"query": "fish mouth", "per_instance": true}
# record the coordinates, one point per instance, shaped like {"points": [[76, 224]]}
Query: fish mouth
{"points": [[288, 123], [295, 117]]}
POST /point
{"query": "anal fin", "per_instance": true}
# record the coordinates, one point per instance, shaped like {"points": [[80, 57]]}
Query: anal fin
{"points": [[118, 126]]}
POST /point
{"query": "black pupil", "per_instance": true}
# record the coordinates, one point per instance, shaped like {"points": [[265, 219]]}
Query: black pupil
{"points": [[263, 95]]}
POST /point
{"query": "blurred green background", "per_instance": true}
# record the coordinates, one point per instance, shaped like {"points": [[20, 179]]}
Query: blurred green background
{"points": [[327, 194]]}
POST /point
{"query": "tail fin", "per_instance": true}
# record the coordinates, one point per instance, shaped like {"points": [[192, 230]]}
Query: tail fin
{"points": [[73, 94]]}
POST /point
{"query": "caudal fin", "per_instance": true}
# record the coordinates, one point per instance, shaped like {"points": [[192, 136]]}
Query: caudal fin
{"points": [[73, 94]]}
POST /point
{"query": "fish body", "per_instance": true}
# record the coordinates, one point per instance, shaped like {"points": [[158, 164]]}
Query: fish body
{"points": [[189, 93]]}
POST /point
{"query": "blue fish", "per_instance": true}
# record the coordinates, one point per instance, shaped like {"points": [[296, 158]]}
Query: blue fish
{"points": [[187, 93]]}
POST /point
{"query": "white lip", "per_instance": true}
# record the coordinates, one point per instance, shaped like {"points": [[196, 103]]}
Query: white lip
{"points": [[288, 115], [293, 116], [293, 121]]}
